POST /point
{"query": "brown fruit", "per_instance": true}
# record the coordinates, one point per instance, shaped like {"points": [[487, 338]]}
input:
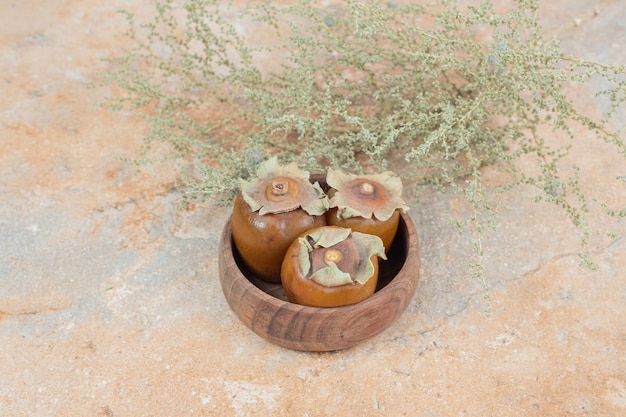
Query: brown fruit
{"points": [[368, 203], [331, 267], [262, 240], [271, 211]]}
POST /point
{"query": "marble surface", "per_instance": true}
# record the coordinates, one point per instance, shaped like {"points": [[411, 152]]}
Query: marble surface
{"points": [[110, 302]]}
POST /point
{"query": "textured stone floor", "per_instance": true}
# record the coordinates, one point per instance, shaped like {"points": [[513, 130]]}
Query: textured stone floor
{"points": [[110, 303]]}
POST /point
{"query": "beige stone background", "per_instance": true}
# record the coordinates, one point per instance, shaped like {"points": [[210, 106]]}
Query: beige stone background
{"points": [[110, 303]]}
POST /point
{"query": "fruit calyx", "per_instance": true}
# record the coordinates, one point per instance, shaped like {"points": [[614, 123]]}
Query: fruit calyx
{"points": [[333, 256], [279, 189], [377, 195]]}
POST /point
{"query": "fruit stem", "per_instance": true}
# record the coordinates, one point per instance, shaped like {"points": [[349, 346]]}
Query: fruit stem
{"points": [[333, 255], [366, 188], [279, 188]]}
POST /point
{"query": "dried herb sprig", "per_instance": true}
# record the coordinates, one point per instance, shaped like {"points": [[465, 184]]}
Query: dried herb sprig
{"points": [[438, 90]]}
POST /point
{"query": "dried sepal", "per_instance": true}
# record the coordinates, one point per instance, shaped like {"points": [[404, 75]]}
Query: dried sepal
{"points": [[328, 236], [366, 195], [278, 189], [334, 256], [370, 245], [332, 276]]}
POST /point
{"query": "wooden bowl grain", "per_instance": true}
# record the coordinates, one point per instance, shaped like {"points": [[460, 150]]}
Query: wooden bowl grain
{"points": [[264, 308]]}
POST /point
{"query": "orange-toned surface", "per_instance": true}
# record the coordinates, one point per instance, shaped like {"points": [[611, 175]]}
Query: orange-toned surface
{"points": [[110, 303]]}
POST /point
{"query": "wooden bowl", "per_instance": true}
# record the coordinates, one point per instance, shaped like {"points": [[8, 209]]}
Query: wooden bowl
{"points": [[264, 308]]}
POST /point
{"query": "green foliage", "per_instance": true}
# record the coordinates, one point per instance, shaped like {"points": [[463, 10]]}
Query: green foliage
{"points": [[439, 90]]}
